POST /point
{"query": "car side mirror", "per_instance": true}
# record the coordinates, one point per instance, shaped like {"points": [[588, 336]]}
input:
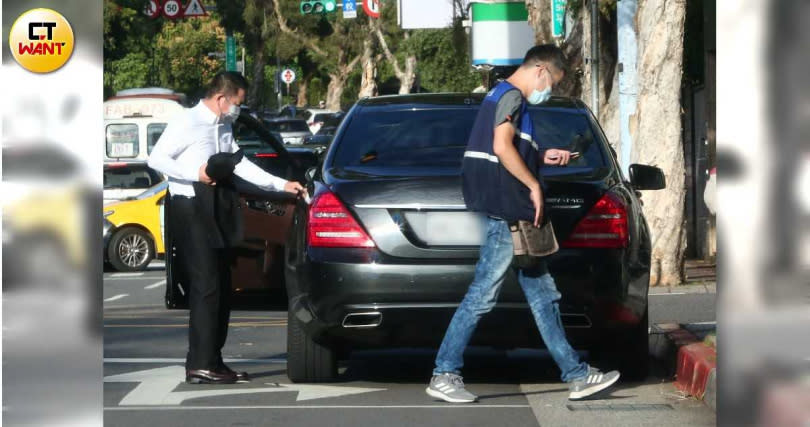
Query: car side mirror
{"points": [[643, 177]]}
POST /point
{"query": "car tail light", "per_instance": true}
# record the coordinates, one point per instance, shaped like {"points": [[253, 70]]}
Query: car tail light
{"points": [[332, 226], [266, 155], [605, 226]]}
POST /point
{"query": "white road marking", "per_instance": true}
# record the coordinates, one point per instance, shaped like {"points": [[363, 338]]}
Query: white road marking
{"points": [[183, 360], [117, 297], [156, 387], [183, 408], [137, 274], [156, 285]]}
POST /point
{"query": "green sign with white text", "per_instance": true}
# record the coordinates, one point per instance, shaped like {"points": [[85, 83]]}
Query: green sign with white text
{"points": [[230, 54], [558, 18]]}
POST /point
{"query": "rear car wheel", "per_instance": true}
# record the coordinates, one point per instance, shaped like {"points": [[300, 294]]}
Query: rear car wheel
{"points": [[131, 249], [307, 360]]}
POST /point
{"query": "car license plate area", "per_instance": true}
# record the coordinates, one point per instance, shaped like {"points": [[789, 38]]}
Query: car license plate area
{"points": [[447, 228]]}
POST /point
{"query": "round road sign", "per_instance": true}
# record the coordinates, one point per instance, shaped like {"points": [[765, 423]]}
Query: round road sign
{"points": [[288, 76], [172, 10], [152, 9], [372, 8]]}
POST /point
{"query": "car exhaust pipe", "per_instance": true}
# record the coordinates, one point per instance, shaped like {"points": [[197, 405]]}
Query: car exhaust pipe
{"points": [[370, 319]]}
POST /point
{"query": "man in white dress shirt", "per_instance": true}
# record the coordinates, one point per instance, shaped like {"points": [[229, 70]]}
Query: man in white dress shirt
{"points": [[182, 153]]}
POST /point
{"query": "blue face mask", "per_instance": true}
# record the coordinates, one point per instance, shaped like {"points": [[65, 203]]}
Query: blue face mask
{"points": [[539, 96]]}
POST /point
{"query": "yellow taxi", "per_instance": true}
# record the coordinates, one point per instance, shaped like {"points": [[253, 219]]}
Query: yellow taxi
{"points": [[133, 229]]}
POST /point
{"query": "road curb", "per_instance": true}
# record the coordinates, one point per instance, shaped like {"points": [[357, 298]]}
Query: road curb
{"points": [[692, 361]]}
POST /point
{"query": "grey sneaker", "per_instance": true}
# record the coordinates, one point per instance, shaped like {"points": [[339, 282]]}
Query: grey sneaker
{"points": [[594, 382], [450, 388]]}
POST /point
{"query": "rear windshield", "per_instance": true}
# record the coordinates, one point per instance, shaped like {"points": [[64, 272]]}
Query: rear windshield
{"points": [[437, 138], [288, 126], [130, 177], [122, 140]]}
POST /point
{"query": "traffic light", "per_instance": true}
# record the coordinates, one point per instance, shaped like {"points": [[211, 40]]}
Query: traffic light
{"points": [[310, 7]]}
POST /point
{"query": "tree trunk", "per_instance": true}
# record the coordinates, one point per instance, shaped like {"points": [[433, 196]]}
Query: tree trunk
{"points": [[540, 18], [368, 84], [337, 83], [302, 92], [407, 78], [656, 131], [256, 88]]}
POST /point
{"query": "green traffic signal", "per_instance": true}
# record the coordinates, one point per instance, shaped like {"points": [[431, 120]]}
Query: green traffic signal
{"points": [[309, 7]]}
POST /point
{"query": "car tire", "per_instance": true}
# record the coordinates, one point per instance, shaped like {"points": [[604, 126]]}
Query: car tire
{"points": [[124, 242], [307, 360]]}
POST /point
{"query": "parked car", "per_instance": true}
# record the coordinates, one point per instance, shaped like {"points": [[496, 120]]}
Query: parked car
{"points": [[386, 250], [291, 131], [133, 229], [123, 180], [315, 118], [267, 216]]}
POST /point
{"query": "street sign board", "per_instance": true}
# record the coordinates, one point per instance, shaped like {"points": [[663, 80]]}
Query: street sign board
{"points": [[349, 9], [152, 9], [288, 76], [172, 9], [230, 53], [195, 8], [558, 17], [372, 8]]}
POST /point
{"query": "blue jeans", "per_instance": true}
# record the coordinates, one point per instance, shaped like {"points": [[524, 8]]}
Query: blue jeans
{"points": [[541, 294]]}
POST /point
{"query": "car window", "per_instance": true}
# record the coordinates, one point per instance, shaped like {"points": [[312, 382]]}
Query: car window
{"points": [[153, 132], [122, 140], [288, 126], [406, 138], [130, 177], [438, 137], [246, 137], [568, 130]]}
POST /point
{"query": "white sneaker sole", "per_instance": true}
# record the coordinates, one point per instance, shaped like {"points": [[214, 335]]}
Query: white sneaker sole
{"points": [[442, 396], [575, 395]]}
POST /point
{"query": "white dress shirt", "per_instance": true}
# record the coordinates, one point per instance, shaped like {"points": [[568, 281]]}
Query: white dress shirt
{"points": [[187, 143]]}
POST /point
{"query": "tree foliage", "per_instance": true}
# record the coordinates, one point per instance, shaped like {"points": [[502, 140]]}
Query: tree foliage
{"points": [[324, 50]]}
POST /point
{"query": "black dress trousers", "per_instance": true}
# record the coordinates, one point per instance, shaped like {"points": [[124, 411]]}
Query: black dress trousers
{"points": [[209, 284]]}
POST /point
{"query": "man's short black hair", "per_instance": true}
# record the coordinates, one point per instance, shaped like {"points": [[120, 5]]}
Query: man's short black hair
{"points": [[548, 53], [227, 83]]}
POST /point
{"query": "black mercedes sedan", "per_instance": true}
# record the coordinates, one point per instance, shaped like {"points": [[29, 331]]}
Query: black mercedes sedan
{"points": [[385, 251]]}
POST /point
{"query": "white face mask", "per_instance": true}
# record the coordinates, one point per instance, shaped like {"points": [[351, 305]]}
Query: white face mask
{"points": [[539, 96], [232, 113]]}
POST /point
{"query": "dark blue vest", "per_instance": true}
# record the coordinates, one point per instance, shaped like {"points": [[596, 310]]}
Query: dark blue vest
{"points": [[488, 187]]}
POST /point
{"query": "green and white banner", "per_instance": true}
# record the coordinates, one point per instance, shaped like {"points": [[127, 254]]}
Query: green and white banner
{"points": [[501, 33]]}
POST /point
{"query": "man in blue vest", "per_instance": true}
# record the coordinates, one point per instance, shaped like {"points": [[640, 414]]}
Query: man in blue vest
{"points": [[501, 179]]}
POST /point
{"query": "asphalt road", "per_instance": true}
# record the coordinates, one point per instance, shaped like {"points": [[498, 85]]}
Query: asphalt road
{"points": [[144, 347]]}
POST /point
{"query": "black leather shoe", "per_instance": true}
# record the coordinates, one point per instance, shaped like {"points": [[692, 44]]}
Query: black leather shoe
{"points": [[241, 376], [203, 376]]}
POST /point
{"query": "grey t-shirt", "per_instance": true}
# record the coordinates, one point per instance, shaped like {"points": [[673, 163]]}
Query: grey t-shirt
{"points": [[508, 109]]}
